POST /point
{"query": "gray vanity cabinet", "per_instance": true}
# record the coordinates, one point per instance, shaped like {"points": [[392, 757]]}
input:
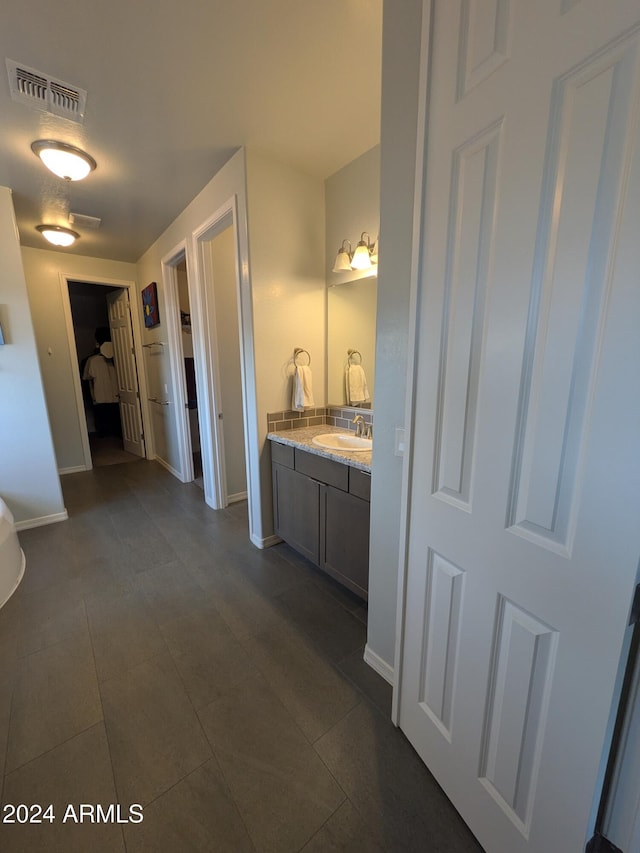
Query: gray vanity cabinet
{"points": [[321, 508]]}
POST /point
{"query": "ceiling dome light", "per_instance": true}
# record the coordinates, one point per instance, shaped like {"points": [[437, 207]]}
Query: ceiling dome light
{"points": [[58, 235], [65, 161]]}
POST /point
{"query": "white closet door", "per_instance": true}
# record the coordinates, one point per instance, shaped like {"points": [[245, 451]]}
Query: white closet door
{"points": [[125, 363], [524, 502]]}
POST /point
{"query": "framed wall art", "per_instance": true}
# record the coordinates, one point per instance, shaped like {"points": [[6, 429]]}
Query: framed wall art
{"points": [[150, 305]]}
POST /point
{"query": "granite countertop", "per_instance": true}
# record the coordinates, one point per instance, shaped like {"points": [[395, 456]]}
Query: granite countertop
{"points": [[302, 438]]}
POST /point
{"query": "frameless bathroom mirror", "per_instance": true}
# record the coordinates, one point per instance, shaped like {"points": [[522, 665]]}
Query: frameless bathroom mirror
{"points": [[352, 205], [351, 325]]}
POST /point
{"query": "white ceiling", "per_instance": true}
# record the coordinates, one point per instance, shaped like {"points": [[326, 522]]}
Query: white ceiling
{"points": [[174, 88]]}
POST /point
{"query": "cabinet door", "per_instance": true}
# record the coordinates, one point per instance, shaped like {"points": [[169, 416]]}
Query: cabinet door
{"points": [[345, 539], [296, 506]]}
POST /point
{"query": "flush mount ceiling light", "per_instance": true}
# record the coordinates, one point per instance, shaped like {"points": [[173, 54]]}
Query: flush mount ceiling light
{"points": [[65, 161], [58, 235], [364, 257]]}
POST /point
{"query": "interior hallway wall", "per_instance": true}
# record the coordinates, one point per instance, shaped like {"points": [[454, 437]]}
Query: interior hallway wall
{"points": [[281, 227], [400, 81], [286, 215], [43, 269], [29, 481]]}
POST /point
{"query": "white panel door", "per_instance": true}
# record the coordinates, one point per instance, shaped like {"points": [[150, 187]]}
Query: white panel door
{"points": [[125, 363], [524, 532]]}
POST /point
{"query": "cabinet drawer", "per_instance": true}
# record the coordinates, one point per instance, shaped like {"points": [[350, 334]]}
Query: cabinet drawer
{"points": [[282, 454], [360, 483], [325, 470]]}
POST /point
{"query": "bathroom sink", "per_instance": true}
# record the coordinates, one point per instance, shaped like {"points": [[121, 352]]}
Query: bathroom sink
{"points": [[341, 441]]}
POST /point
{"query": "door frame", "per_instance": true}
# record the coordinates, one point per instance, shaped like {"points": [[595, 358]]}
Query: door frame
{"points": [[412, 364], [64, 279], [206, 362], [169, 264], [205, 347]]}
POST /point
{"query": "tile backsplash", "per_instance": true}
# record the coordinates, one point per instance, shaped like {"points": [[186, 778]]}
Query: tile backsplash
{"points": [[330, 415]]}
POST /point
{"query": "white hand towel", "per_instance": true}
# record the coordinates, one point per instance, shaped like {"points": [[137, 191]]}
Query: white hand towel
{"points": [[357, 390], [302, 388]]}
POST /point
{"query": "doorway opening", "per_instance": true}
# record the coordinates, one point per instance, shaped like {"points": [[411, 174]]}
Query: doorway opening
{"points": [[101, 335], [205, 334], [219, 273]]}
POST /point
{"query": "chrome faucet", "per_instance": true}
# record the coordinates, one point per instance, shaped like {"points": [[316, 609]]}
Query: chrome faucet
{"points": [[360, 425]]}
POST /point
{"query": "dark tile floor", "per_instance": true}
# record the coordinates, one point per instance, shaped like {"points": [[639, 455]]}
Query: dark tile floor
{"points": [[152, 655]]}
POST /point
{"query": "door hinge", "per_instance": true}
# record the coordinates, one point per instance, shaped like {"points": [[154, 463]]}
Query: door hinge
{"points": [[635, 607]]}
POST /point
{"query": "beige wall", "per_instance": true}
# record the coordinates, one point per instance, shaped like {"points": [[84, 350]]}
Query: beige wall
{"points": [[29, 481], [286, 237], [43, 269], [400, 80], [286, 240]]}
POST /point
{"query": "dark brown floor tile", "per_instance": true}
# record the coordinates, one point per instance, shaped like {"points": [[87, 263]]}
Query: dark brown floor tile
{"points": [[312, 689], [169, 590], [154, 735], [332, 628], [266, 571], [283, 791], [123, 632], [374, 687], [77, 771], [197, 815], [55, 697], [344, 832], [401, 803], [321, 579], [8, 673], [45, 620], [209, 658], [244, 610]]}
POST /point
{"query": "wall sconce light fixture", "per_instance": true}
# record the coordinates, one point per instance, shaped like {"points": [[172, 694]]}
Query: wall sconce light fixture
{"points": [[65, 161], [363, 258], [57, 235], [343, 258]]}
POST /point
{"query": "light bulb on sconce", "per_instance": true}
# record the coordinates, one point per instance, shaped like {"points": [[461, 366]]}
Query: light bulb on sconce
{"points": [[363, 258], [343, 258]]}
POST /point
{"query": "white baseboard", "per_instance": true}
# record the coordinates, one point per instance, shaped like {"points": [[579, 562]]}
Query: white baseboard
{"points": [[267, 542], [379, 665], [75, 469], [169, 468], [40, 522], [239, 496]]}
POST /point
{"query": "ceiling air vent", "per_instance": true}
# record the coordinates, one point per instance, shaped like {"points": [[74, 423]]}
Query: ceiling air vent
{"points": [[36, 89], [81, 220]]}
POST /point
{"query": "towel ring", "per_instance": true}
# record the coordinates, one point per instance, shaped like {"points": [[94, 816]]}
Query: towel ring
{"points": [[351, 353], [297, 351]]}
